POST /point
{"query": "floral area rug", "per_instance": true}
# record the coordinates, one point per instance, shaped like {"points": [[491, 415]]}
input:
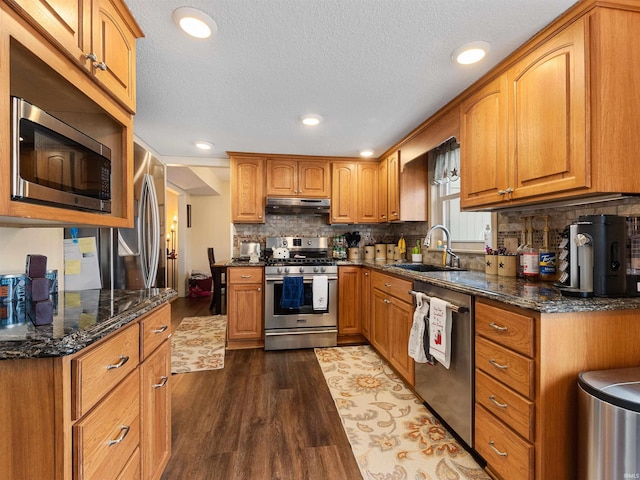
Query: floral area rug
{"points": [[392, 434], [198, 344]]}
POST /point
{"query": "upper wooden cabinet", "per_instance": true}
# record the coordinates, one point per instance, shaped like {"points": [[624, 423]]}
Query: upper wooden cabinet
{"points": [[383, 191], [368, 205], [99, 35], [407, 189], [40, 71], [393, 188], [344, 192], [303, 178], [247, 189], [557, 122]]}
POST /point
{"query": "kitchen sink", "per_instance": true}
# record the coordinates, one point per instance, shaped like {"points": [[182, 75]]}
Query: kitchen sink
{"points": [[423, 267]]}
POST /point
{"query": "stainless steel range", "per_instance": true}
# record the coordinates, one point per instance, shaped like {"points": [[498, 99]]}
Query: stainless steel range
{"points": [[311, 320]]}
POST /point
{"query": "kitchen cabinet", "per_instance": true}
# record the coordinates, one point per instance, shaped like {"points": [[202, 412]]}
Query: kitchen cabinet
{"points": [[405, 189], [349, 303], [344, 192], [354, 192], [544, 127], [366, 304], [39, 71], [245, 306], [393, 187], [72, 407], [247, 189], [383, 191], [303, 178], [99, 35], [391, 321], [527, 364]]}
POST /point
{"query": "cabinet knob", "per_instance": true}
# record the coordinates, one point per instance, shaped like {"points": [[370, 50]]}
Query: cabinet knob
{"points": [[259, 289], [91, 56], [387, 300], [387, 285], [509, 190], [100, 66], [501, 192]]}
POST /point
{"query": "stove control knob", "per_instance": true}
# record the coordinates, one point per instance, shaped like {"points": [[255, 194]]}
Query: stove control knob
{"points": [[323, 269], [286, 269], [301, 269], [316, 269], [279, 270]]}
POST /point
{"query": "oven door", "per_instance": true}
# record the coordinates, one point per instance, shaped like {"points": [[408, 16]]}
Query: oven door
{"points": [[277, 317]]}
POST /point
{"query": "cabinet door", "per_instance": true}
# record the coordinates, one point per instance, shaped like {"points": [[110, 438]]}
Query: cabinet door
{"points": [[349, 294], [282, 177], [547, 116], [393, 188], [244, 312], [66, 22], [367, 192], [380, 322], [383, 188], [483, 145], [400, 322], [314, 179], [156, 412], [247, 189], [343, 192], [115, 48], [365, 320]]}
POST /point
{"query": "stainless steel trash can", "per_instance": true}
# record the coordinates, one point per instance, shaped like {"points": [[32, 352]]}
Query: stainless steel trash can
{"points": [[609, 424]]}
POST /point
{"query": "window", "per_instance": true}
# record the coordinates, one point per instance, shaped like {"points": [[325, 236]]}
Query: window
{"points": [[467, 228]]}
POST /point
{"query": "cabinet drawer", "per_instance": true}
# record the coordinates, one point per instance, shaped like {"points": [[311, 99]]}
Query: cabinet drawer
{"points": [[105, 439], [512, 369], [393, 286], [95, 373], [245, 275], [155, 329], [505, 452], [513, 409], [510, 329]]}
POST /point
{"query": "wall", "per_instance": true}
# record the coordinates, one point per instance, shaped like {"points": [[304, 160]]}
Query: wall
{"points": [[16, 243]]}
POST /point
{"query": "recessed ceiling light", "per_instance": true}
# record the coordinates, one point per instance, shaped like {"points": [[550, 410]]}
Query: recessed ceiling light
{"points": [[204, 145], [471, 52], [195, 22], [366, 152], [311, 120]]}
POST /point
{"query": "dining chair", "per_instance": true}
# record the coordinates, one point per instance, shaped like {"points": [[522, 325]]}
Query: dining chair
{"points": [[219, 277]]}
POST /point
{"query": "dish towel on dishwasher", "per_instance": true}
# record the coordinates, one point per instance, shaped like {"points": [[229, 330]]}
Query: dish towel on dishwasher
{"points": [[292, 292], [417, 335], [320, 288], [440, 331]]}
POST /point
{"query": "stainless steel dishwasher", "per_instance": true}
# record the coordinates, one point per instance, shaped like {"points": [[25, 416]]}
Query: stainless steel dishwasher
{"points": [[449, 392]]}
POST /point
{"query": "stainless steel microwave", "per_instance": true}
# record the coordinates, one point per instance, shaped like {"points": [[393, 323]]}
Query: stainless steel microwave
{"points": [[56, 164]]}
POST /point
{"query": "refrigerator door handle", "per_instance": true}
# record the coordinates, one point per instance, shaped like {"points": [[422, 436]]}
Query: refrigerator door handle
{"points": [[149, 230]]}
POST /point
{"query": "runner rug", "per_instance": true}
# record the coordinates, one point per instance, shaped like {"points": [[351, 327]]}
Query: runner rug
{"points": [[198, 344], [392, 434]]}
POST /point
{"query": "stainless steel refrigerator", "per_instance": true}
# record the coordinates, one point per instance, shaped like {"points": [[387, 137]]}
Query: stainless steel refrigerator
{"points": [[135, 258]]}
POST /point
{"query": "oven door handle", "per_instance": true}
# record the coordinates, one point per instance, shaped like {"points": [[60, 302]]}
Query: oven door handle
{"points": [[304, 279], [307, 332]]}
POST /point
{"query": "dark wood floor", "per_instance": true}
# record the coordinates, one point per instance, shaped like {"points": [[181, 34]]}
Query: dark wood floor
{"points": [[265, 415]]}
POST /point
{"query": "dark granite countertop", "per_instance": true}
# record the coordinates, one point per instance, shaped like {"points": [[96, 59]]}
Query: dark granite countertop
{"points": [[80, 319]]}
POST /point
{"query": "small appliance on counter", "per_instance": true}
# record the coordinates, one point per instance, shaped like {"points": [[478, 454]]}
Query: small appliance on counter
{"points": [[596, 262]]}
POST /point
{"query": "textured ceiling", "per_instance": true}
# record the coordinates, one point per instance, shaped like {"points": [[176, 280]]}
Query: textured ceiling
{"points": [[374, 70]]}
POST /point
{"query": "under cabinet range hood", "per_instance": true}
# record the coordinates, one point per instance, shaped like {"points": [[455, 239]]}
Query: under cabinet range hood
{"points": [[295, 205]]}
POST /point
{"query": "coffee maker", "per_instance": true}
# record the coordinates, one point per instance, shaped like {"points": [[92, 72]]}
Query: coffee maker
{"points": [[600, 255]]}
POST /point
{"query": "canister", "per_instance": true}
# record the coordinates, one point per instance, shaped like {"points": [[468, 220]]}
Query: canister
{"points": [[390, 250], [369, 252], [354, 254], [506, 265], [12, 287], [491, 264], [381, 251]]}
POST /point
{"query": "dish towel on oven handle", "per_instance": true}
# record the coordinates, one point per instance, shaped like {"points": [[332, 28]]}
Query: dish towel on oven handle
{"points": [[417, 335], [292, 292], [440, 331], [320, 288]]}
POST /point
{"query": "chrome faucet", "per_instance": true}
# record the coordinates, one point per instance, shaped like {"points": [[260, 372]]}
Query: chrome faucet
{"points": [[451, 259]]}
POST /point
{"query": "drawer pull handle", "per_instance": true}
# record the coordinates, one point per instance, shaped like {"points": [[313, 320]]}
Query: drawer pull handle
{"points": [[163, 328], [124, 430], [501, 405], [497, 365], [123, 359], [495, 326], [163, 382], [502, 454], [245, 276]]}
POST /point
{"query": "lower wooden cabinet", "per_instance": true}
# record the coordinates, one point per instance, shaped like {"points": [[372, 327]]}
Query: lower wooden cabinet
{"points": [[365, 324], [104, 412], [349, 302], [391, 321], [245, 306]]}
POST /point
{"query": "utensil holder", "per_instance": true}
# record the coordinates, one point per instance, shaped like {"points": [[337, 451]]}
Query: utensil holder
{"points": [[507, 265], [491, 264], [354, 254]]}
